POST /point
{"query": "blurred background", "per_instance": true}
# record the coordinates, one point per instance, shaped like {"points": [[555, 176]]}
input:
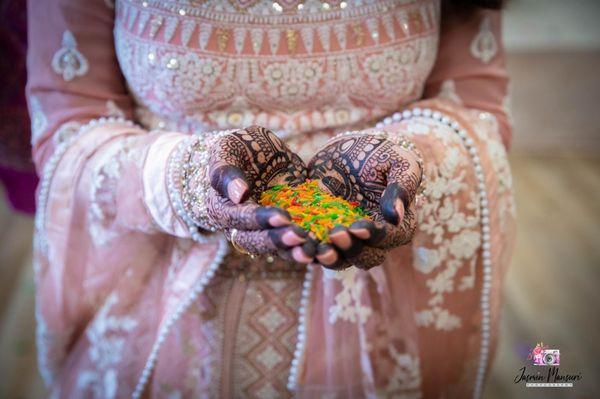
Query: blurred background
{"points": [[552, 289]]}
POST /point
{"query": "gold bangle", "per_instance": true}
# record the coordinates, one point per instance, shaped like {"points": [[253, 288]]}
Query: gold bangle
{"points": [[238, 247]]}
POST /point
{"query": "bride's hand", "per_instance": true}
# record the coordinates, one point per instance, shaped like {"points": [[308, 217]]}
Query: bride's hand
{"points": [[383, 177], [242, 165]]}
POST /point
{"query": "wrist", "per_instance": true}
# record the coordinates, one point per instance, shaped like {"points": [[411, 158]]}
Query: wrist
{"points": [[189, 182]]}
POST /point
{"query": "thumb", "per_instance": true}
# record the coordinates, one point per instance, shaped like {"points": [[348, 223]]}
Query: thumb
{"points": [[394, 202], [230, 181]]}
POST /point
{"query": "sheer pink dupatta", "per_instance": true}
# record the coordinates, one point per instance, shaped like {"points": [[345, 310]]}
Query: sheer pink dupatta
{"points": [[413, 327], [360, 327]]}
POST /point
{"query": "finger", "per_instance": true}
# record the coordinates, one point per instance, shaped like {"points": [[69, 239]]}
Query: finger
{"points": [[409, 224], [382, 235], [267, 241], [394, 200], [329, 257], [304, 253], [403, 180], [229, 157], [347, 245], [230, 182], [247, 216], [300, 256], [369, 257], [393, 236], [371, 232]]}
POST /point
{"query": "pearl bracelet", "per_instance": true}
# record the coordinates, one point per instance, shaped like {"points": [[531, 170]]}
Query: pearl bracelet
{"points": [[189, 164]]}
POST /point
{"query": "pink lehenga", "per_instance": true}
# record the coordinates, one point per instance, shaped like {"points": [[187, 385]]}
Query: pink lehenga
{"points": [[128, 304]]}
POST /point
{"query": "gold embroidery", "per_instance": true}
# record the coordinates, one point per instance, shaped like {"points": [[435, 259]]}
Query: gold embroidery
{"points": [[359, 34], [416, 20], [203, 82], [222, 38], [292, 40]]}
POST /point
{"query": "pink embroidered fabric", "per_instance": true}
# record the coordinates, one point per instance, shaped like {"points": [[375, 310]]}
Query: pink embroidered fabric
{"points": [[129, 305]]}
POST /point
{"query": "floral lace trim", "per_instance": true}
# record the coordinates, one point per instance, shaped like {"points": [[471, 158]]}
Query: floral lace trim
{"points": [[105, 350], [470, 245], [45, 338]]}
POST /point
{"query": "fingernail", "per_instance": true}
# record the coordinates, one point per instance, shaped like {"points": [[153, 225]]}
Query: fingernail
{"points": [[341, 239], [290, 238], [326, 255], [363, 234], [236, 190], [399, 206], [299, 255], [278, 220]]}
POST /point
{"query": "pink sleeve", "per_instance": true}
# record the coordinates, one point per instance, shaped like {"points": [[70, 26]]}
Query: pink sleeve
{"points": [[470, 71], [81, 113]]}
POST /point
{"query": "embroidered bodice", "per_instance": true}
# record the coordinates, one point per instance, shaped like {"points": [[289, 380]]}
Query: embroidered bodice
{"points": [[293, 66]]}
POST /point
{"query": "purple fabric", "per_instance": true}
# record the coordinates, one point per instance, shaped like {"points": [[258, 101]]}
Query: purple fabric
{"points": [[16, 169], [20, 189]]}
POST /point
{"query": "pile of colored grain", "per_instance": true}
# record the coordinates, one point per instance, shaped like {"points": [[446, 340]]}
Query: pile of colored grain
{"points": [[312, 208]]}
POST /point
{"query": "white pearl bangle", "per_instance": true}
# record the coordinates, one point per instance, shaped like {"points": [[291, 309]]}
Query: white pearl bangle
{"points": [[485, 228], [175, 187], [190, 159]]}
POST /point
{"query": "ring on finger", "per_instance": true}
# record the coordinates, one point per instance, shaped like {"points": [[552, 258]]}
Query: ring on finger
{"points": [[238, 247]]}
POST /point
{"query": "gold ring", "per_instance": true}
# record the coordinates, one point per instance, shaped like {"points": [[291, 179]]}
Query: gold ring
{"points": [[237, 246]]}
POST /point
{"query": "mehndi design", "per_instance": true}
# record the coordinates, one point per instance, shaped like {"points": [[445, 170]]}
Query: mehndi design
{"points": [[380, 175], [242, 165]]}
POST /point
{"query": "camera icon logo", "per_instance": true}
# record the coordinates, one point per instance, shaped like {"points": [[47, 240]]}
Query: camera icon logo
{"points": [[548, 357], [543, 356]]}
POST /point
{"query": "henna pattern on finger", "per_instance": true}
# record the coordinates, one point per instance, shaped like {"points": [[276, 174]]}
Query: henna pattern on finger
{"points": [[382, 177], [394, 236], [345, 243], [409, 225], [264, 241], [241, 165], [369, 231], [246, 216], [257, 155], [329, 258]]}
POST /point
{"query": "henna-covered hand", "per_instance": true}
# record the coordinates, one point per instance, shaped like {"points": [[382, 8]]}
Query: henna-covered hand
{"points": [[241, 166], [383, 177]]}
